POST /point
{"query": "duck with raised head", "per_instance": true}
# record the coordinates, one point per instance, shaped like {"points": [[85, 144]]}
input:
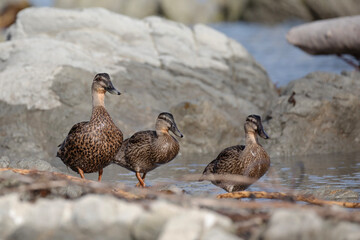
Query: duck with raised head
{"points": [[90, 146], [250, 161], [147, 150]]}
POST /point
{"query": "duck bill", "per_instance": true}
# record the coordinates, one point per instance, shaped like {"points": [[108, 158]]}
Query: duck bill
{"points": [[262, 133], [176, 131], [111, 89]]}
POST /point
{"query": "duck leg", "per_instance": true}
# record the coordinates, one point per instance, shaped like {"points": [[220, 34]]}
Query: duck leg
{"points": [[81, 172], [141, 182], [100, 175], [143, 178]]}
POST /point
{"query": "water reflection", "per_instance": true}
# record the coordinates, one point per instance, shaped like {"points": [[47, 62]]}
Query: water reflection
{"points": [[338, 170]]}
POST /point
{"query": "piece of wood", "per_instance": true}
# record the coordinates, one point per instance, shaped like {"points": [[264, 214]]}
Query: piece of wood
{"points": [[55, 179], [8, 14], [333, 36], [287, 197]]}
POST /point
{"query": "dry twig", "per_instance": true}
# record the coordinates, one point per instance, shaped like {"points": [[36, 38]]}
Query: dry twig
{"points": [[54, 179], [287, 197]]}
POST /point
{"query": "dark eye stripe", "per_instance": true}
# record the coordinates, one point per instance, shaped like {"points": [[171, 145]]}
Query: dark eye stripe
{"points": [[253, 120], [166, 119]]}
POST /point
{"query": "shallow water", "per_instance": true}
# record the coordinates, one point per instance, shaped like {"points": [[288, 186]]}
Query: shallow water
{"points": [[282, 61], [335, 170]]}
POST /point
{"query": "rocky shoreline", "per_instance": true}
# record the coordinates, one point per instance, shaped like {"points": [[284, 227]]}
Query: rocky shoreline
{"points": [[35, 206], [209, 82]]}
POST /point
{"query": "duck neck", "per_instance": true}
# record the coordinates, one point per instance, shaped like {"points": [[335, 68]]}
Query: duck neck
{"points": [[162, 132], [98, 99], [250, 138]]}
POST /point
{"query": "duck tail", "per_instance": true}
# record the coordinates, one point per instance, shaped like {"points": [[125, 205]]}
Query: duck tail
{"points": [[117, 160], [207, 171]]}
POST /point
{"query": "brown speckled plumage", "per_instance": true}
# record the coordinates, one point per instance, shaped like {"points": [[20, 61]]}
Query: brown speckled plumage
{"points": [[250, 161], [147, 150], [90, 146]]}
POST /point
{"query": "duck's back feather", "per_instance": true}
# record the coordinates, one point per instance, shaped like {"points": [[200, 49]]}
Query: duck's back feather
{"points": [[75, 129], [224, 155], [145, 150]]}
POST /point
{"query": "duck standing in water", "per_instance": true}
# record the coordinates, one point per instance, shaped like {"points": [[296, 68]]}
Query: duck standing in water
{"points": [[147, 150], [249, 161], [90, 146]]}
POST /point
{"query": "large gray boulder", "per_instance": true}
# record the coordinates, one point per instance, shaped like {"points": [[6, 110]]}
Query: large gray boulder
{"points": [[322, 117], [207, 80]]}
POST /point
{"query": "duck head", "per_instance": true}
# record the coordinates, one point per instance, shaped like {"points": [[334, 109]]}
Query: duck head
{"points": [[102, 84], [166, 122], [253, 125]]}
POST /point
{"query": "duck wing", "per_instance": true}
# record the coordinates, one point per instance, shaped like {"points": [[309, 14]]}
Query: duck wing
{"points": [[227, 159], [229, 152], [138, 146], [75, 129], [208, 170], [224, 155]]}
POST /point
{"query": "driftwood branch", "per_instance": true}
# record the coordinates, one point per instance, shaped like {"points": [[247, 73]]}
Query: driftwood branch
{"points": [[287, 197], [334, 36], [48, 180]]}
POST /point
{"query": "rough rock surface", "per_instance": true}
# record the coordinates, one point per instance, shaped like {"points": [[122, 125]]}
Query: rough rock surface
{"points": [[185, 11], [193, 11], [273, 12], [133, 8], [322, 9], [47, 66], [301, 224], [105, 217], [322, 116], [207, 11]]}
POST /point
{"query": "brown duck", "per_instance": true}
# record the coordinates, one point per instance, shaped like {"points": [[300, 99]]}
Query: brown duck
{"points": [[147, 150], [90, 146], [250, 160]]}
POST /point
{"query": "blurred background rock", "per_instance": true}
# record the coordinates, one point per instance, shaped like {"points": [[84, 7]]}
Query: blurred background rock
{"points": [[204, 11]]}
